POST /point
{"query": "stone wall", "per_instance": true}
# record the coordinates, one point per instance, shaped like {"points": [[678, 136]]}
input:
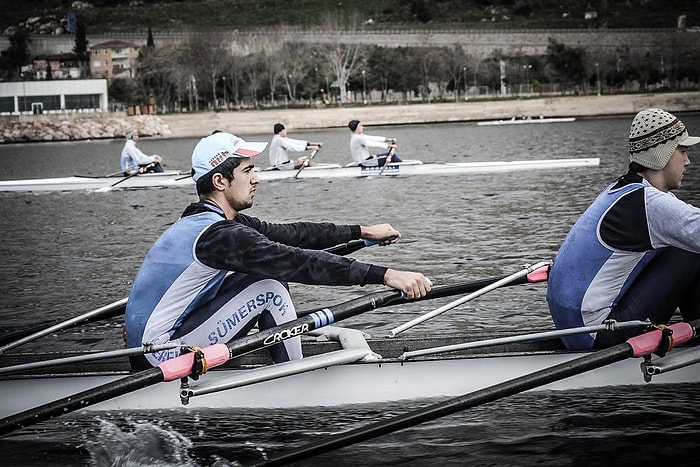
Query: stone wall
{"points": [[62, 128], [480, 43]]}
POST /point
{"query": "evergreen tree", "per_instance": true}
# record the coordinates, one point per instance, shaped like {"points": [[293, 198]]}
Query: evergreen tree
{"points": [[17, 54], [81, 43], [81, 47], [150, 43], [49, 76]]}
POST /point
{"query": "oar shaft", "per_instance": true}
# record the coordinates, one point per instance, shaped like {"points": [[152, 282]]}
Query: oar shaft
{"points": [[305, 164], [386, 161], [532, 337], [112, 309], [77, 401], [510, 279], [91, 357]]}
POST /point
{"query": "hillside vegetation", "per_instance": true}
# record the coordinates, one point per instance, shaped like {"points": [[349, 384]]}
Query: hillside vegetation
{"points": [[172, 15]]}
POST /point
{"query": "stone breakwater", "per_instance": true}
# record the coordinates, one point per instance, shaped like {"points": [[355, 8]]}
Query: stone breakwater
{"points": [[57, 128]]}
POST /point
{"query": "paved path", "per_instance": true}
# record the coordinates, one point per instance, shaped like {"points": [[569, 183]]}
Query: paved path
{"points": [[262, 121]]}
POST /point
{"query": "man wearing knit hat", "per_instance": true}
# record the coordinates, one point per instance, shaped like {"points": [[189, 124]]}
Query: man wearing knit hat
{"points": [[216, 273], [282, 146], [634, 254]]}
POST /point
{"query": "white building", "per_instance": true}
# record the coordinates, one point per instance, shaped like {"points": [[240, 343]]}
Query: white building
{"points": [[53, 96]]}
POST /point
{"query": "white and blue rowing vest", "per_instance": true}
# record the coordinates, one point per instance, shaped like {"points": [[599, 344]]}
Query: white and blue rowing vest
{"points": [[601, 256], [172, 282]]}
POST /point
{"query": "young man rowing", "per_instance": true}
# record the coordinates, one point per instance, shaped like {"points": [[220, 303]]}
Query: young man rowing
{"points": [[635, 253], [216, 273]]}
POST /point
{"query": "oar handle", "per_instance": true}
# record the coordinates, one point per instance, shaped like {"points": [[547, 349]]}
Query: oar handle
{"points": [[354, 245]]}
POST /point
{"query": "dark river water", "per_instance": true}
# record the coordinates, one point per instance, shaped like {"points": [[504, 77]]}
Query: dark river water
{"points": [[66, 253]]}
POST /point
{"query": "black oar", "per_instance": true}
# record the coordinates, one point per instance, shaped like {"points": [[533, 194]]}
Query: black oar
{"points": [[354, 245], [109, 187], [386, 161], [17, 338], [181, 366], [639, 346], [538, 275], [22, 337], [306, 162]]}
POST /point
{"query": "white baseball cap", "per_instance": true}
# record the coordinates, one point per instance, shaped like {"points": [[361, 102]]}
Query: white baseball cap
{"points": [[214, 149]]}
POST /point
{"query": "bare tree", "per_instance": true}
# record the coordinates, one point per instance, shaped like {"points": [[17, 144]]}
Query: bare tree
{"points": [[154, 71], [343, 54], [206, 52], [253, 75], [456, 64], [296, 63]]}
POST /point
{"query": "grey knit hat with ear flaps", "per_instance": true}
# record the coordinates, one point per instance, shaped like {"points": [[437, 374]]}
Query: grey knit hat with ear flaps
{"points": [[654, 136]]}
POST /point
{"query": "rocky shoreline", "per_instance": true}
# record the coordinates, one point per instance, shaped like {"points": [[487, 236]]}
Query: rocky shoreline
{"points": [[242, 122], [73, 128]]}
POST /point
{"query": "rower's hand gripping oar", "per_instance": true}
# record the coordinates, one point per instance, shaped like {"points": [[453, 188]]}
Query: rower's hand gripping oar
{"points": [[305, 164], [530, 274], [640, 346]]}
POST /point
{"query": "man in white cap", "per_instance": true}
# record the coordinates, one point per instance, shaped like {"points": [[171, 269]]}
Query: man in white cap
{"points": [[133, 161], [216, 273], [635, 252]]}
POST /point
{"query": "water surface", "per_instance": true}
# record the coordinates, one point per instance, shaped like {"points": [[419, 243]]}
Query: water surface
{"points": [[67, 253]]}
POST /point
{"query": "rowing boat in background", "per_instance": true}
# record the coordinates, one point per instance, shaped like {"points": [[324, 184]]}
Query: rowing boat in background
{"points": [[174, 179], [526, 121], [88, 183]]}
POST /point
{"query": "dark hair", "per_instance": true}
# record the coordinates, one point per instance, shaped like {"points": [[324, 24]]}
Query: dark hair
{"points": [[637, 167], [353, 125], [226, 168], [278, 127]]}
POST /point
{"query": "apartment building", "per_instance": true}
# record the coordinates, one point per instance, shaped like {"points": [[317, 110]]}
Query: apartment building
{"points": [[63, 66], [113, 59]]}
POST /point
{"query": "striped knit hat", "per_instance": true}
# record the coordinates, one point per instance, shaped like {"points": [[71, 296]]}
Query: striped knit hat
{"points": [[654, 136]]}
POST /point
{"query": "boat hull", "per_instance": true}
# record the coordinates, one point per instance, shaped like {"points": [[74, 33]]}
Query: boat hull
{"points": [[173, 179], [80, 183], [389, 379]]}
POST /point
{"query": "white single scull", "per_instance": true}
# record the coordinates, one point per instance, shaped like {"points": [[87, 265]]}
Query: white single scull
{"points": [[526, 121], [182, 179]]}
